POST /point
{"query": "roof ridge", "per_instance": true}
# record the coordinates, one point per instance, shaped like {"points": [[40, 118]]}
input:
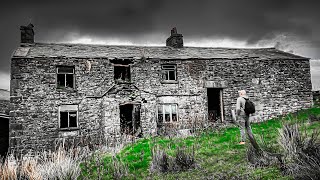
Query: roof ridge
{"points": [[43, 49], [151, 46]]}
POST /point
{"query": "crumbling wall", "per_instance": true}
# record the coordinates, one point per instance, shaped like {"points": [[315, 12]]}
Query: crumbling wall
{"points": [[276, 86]]}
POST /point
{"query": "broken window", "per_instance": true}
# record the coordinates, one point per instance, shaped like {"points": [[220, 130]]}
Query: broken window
{"points": [[65, 77], [122, 73], [167, 113], [68, 116], [169, 72]]}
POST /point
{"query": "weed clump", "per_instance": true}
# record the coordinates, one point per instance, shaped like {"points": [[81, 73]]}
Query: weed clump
{"points": [[60, 164], [182, 160], [161, 162], [302, 152]]}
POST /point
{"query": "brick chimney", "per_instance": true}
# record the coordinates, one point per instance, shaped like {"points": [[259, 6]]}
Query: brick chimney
{"points": [[175, 40], [27, 34]]}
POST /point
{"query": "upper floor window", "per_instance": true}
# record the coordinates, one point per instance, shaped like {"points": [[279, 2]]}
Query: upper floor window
{"points": [[65, 77], [169, 72], [68, 116], [122, 73], [167, 113]]}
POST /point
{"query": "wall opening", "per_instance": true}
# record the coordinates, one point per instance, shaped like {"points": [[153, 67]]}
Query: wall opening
{"points": [[215, 104], [122, 70], [122, 73], [4, 135], [130, 119]]}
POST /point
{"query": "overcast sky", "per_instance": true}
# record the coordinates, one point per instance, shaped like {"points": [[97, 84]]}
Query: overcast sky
{"points": [[290, 25]]}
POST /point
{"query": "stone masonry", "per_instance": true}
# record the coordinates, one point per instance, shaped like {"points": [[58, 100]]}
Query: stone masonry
{"points": [[276, 81]]}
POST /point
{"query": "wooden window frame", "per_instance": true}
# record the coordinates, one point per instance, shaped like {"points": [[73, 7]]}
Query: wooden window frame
{"points": [[65, 78], [163, 112], [167, 70], [72, 108]]}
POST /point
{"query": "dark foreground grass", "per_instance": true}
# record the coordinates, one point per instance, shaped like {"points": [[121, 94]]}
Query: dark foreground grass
{"points": [[217, 152]]}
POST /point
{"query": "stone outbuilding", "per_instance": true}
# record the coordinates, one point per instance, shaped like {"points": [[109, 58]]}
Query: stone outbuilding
{"points": [[71, 91]]}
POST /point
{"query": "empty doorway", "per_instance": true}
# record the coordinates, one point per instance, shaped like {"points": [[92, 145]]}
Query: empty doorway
{"points": [[4, 135], [130, 119], [215, 104]]}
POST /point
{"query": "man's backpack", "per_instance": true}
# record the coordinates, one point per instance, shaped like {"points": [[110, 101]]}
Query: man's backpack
{"points": [[249, 107]]}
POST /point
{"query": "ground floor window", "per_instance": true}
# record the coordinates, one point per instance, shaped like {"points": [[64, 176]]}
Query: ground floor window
{"points": [[167, 113], [68, 116]]}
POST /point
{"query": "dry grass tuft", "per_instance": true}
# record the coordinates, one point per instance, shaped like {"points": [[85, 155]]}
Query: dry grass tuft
{"points": [[302, 152], [9, 168], [60, 164], [182, 160]]}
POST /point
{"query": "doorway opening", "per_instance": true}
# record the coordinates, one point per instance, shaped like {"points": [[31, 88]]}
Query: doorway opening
{"points": [[4, 135], [130, 119], [215, 104]]}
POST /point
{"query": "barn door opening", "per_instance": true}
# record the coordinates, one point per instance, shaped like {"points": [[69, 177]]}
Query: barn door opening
{"points": [[130, 119], [215, 104]]}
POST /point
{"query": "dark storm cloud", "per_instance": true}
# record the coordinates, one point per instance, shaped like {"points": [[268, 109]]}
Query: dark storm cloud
{"points": [[242, 19], [246, 20]]}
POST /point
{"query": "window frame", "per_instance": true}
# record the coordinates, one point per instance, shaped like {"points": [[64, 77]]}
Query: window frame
{"points": [[163, 112], [71, 109], [167, 71], [65, 78]]}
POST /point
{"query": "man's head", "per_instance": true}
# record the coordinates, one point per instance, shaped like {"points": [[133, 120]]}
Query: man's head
{"points": [[242, 93]]}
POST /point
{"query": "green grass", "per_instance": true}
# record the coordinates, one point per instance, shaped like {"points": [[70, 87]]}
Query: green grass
{"points": [[217, 151]]}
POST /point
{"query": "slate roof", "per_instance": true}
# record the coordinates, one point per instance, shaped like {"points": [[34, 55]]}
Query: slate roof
{"points": [[163, 52]]}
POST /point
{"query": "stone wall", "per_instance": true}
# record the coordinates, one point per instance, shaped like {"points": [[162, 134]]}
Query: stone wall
{"points": [[276, 87]]}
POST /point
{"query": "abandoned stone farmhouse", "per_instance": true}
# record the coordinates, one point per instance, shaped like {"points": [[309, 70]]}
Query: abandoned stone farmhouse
{"points": [[61, 91]]}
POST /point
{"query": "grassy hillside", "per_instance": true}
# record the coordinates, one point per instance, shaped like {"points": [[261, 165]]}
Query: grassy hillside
{"points": [[216, 152]]}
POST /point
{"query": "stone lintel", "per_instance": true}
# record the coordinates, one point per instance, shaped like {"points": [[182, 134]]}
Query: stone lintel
{"points": [[215, 84]]}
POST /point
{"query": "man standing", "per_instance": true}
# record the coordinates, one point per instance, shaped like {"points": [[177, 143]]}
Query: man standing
{"points": [[241, 116]]}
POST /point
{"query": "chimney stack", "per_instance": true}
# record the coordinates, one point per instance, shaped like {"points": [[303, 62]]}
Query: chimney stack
{"points": [[27, 34], [175, 40]]}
